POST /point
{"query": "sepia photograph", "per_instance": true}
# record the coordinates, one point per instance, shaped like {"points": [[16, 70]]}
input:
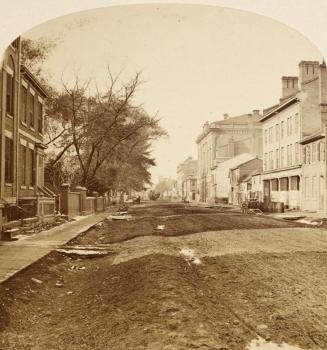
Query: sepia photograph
{"points": [[163, 182]]}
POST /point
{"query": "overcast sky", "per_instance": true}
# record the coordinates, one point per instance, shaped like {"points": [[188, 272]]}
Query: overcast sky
{"points": [[198, 62]]}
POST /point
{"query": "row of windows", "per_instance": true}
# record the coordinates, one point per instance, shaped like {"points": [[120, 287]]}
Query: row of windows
{"points": [[314, 152], [278, 132], [29, 108], [286, 184], [27, 158], [283, 157]]}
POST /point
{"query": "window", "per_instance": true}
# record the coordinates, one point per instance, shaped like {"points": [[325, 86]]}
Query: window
{"points": [[32, 168], [297, 123], [265, 162], [283, 184], [282, 130], [10, 87], [314, 152], [40, 117], [274, 185], [271, 165], [307, 154], [10, 94], [31, 109], [289, 155], [9, 160], [23, 160], [266, 136], [282, 157], [277, 132], [294, 183], [322, 151], [288, 126], [297, 153], [291, 126], [23, 107], [277, 158], [271, 135]]}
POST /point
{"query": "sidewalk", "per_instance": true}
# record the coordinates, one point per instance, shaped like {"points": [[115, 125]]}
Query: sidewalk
{"points": [[16, 255]]}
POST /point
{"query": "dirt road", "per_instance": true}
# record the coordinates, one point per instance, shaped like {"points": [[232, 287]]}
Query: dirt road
{"points": [[176, 287]]}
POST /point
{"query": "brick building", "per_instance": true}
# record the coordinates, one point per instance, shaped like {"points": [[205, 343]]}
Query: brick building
{"points": [[302, 111], [9, 108], [221, 141], [22, 191]]}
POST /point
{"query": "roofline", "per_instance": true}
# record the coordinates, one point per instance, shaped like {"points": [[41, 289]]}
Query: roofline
{"points": [[279, 108], [250, 160], [30, 76], [312, 137]]}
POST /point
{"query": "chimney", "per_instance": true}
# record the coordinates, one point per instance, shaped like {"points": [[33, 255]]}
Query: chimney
{"points": [[290, 85], [226, 116], [256, 112], [308, 70], [205, 126]]}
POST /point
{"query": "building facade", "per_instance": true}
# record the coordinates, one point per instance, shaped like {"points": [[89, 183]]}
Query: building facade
{"points": [[313, 191], [9, 109], [241, 180], [22, 191], [186, 174], [221, 141], [301, 111], [190, 189]]}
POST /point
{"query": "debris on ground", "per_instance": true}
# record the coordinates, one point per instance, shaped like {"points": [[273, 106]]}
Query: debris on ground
{"points": [[84, 252], [262, 275], [161, 227], [36, 280], [309, 222], [189, 256], [292, 217], [119, 215]]}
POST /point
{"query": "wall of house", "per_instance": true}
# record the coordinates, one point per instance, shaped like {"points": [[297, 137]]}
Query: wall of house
{"points": [[257, 187], [9, 68], [313, 190], [30, 136], [280, 132]]}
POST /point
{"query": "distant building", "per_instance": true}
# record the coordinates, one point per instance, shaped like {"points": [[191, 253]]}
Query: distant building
{"points": [[256, 186], [221, 179], [314, 175], [302, 111], [186, 179], [221, 141], [190, 189], [241, 180]]}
